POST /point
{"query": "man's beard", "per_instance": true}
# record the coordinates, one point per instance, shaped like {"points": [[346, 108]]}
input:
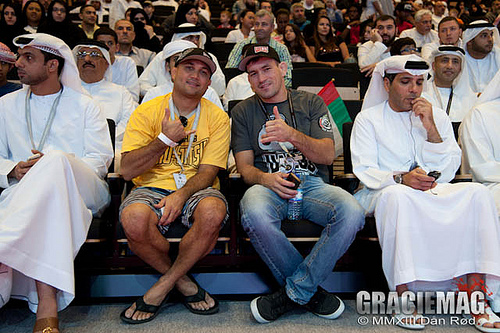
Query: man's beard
{"points": [[389, 42]]}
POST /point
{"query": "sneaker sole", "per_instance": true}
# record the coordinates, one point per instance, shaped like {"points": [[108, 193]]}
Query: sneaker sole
{"points": [[335, 314], [255, 312]]}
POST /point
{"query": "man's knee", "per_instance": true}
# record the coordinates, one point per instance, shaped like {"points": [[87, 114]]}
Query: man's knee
{"points": [[259, 206], [210, 212], [136, 219]]}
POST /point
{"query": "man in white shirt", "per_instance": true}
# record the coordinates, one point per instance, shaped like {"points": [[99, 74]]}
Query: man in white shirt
{"points": [[124, 69], [422, 33], [449, 33], [482, 53], [55, 150], [155, 74], [449, 88], [480, 140], [439, 13], [125, 31], [430, 233], [89, 17], [246, 20], [118, 9], [378, 47], [116, 103]]}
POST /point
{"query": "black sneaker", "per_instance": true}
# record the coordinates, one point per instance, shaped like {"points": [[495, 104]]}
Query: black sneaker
{"points": [[325, 304], [268, 308]]}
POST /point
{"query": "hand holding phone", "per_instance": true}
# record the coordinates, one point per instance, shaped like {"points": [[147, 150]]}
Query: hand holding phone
{"points": [[434, 174], [294, 179]]}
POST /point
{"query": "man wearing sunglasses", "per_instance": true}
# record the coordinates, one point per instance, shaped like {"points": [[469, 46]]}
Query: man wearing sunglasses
{"points": [[93, 62], [173, 148]]}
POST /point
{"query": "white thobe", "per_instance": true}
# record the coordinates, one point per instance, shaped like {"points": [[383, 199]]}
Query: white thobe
{"points": [[426, 238], [171, 3], [124, 72], [115, 103], [435, 20], [156, 74], [235, 36], [44, 218], [118, 9], [480, 139], [238, 88], [461, 102], [420, 40], [166, 88], [371, 53], [482, 71]]}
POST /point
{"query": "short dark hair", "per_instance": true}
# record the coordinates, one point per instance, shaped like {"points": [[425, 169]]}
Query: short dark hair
{"points": [[448, 19], [82, 8], [49, 56], [106, 31], [244, 13], [391, 76], [398, 44], [385, 18]]}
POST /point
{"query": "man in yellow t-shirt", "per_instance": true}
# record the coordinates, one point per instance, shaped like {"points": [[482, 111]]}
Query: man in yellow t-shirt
{"points": [[173, 147]]}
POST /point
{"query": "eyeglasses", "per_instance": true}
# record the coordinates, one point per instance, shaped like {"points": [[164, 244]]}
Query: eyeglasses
{"points": [[92, 54], [409, 49]]}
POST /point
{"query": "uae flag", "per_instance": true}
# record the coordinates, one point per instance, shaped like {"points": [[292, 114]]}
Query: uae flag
{"points": [[335, 105]]}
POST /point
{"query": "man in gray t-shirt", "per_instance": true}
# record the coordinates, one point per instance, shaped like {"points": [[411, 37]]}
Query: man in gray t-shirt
{"points": [[276, 132]]}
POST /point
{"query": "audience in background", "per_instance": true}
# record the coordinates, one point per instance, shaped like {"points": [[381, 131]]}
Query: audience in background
{"points": [[225, 18], [88, 15], [145, 36], [325, 47], [11, 24], [7, 61], [59, 25], [33, 15], [299, 16], [299, 51], [246, 22], [126, 38]]}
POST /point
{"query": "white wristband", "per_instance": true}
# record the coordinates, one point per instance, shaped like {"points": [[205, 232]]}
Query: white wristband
{"points": [[163, 138]]}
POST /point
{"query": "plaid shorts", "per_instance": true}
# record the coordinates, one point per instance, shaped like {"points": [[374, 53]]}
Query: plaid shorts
{"points": [[153, 195]]}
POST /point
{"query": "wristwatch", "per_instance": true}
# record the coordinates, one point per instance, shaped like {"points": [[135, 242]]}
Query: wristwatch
{"points": [[398, 178]]}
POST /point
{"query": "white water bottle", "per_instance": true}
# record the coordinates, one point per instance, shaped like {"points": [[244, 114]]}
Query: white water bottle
{"points": [[295, 206]]}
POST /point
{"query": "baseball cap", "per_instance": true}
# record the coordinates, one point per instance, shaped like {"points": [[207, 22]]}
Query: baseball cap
{"points": [[197, 54], [253, 51]]}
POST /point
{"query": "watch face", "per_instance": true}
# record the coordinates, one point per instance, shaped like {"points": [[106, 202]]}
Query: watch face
{"points": [[398, 179]]}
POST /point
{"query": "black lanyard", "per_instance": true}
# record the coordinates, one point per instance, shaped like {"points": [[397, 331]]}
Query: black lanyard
{"points": [[290, 105], [449, 102]]}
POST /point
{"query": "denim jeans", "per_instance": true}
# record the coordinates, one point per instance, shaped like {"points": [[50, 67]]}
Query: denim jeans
{"points": [[342, 217]]}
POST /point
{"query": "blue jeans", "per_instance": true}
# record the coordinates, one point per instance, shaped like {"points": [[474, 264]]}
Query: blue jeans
{"points": [[342, 217]]}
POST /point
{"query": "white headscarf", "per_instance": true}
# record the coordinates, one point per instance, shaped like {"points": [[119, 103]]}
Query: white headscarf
{"points": [[172, 48], [376, 92], [108, 75], [461, 84], [181, 35], [69, 76], [470, 33]]}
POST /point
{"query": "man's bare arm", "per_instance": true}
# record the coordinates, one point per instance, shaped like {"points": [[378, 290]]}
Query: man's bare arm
{"points": [[252, 175], [138, 161]]}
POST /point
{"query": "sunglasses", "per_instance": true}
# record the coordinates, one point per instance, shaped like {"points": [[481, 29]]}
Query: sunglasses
{"points": [[92, 54]]}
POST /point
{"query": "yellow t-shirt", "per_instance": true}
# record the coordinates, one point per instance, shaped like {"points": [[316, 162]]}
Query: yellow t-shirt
{"points": [[210, 145]]}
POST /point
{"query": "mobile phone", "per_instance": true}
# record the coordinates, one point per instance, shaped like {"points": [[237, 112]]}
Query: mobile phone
{"points": [[294, 179], [34, 157], [434, 174]]}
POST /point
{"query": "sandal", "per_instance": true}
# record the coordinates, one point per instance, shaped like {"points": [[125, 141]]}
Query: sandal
{"points": [[408, 321], [198, 297], [142, 306], [492, 318], [46, 325]]}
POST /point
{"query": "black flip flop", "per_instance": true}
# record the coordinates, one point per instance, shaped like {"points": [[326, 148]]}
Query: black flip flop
{"points": [[198, 297], [140, 305]]}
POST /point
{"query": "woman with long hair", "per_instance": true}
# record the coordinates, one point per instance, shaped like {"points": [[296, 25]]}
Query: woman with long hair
{"points": [[325, 47], [145, 36], [33, 16], [11, 24], [59, 25], [296, 45]]}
